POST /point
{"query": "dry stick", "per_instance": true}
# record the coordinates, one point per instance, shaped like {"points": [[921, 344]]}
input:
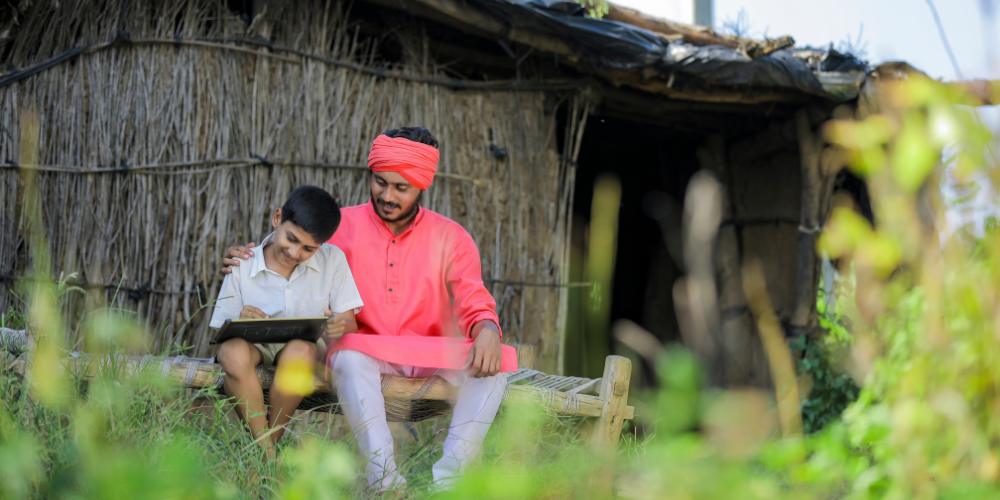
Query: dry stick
{"points": [[454, 83], [489, 85], [580, 284], [222, 163], [779, 358]]}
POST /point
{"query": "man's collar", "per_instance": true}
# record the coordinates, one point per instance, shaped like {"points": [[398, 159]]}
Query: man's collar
{"points": [[258, 264]]}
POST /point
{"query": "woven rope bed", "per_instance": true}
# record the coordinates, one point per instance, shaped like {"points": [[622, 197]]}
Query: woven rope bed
{"points": [[407, 399]]}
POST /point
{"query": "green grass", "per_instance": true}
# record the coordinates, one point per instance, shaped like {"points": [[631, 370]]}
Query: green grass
{"points": [[128, 435], [138, 437]]}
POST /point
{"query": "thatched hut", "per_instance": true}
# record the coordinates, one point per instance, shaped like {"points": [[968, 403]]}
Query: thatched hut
{"points": [[169, 130]]}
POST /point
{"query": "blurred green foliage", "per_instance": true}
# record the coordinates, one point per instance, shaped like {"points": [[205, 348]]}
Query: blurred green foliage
{"points": [[832, 388], [595, 8]]}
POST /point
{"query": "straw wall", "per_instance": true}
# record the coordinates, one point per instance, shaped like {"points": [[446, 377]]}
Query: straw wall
{"points": [[220, 110]]}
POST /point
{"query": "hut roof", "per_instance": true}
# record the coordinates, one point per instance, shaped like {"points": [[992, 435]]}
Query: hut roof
{"points": [[628, 48], [631, 49]]}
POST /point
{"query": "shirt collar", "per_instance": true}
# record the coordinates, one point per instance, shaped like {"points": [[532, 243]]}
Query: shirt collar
{"points": [[258, 264], [381, 223]]}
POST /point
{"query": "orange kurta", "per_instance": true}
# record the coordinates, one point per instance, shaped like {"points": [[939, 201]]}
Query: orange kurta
{"points": [[423, 290]]}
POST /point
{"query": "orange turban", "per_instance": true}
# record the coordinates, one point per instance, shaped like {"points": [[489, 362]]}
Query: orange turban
{"points": [[415, 161]]}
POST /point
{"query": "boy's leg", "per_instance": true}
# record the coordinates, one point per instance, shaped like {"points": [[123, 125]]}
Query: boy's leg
{"points": [[239, 360], [283, 404], [357, 378], [476, 405]]}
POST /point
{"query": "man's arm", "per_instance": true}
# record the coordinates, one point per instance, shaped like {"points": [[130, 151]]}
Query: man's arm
{"points": [[234, 255], [474, 307]]}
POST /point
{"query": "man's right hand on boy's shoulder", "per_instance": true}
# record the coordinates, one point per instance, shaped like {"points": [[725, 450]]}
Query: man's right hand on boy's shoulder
{"points": [[251, 312], [234, 255]]}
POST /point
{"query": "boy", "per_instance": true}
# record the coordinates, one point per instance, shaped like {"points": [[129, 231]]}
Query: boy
{"points": [[295, 274]]}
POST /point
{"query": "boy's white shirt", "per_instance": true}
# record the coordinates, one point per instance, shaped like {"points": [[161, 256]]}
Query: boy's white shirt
{"points": [[324, 281]]}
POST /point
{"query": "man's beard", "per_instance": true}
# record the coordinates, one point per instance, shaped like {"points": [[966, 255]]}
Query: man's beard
{"points": [[409, 213]]}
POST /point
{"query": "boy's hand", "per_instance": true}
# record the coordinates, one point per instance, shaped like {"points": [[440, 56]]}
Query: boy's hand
{"points": [[334, 328], [234, 255], [251, 312]]}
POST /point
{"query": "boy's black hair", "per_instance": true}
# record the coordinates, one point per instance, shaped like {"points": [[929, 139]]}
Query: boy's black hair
{"points": [[415, 134], [314, 210]]}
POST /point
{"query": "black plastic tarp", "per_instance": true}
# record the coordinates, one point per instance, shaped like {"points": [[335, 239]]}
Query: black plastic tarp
{"points": [[722, 65], [615, 45], [601, 42]]}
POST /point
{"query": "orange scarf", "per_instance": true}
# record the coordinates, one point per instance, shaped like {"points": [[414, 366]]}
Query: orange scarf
{"points": [[416, 162]]}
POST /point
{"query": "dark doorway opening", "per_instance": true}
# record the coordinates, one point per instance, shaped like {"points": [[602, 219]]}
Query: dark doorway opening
{"points": [[651, 162]]}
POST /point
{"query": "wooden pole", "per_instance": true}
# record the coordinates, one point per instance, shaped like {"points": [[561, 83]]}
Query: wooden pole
{"points": [[736, 340], [806, 281], [614, 398]]}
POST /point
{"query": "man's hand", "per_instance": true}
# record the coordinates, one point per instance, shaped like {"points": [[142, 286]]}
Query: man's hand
{"points": [[234, 255], [484, 356], [251, 312]]}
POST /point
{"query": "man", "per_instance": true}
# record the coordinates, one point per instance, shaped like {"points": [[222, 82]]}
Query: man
{"points": [[426, 310], [295, 274]]}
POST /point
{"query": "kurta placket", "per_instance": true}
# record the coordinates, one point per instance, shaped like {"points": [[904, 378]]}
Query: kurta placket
{"points": [[393, 290]]}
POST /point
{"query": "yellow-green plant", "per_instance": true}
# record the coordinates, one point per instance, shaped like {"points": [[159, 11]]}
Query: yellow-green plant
{"points": [[595, 8], [927, 304]]}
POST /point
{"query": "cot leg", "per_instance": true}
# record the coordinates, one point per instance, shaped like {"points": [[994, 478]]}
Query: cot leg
{"points": [[614, 395]]}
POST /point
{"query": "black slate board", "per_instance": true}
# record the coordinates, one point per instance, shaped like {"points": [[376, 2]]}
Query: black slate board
{"points": [[271, 330]]}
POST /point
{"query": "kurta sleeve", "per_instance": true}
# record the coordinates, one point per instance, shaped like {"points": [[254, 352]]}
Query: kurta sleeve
{"points": [[471, 301], [230, 301]]}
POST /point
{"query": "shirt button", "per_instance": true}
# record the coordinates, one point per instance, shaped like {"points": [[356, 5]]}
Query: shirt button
{"points": [[390, 289], [393, 241], [390, 264]]}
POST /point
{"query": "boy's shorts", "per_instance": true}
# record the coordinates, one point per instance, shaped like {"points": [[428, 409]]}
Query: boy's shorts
{"points": [[269, 352]]}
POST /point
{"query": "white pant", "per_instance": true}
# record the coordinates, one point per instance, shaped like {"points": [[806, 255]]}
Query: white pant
{"points": [[357, 378]]}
